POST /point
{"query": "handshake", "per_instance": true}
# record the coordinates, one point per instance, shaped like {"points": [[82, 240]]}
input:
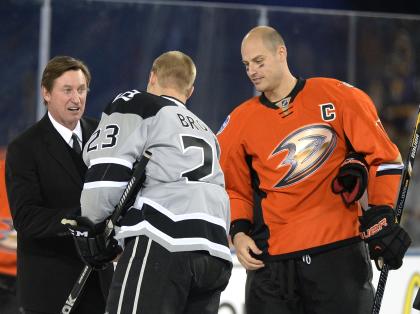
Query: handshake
{"points": [[95, 247]]}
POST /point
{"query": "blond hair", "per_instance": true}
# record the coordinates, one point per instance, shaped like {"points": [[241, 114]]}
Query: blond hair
{"points": [[176, 70]]}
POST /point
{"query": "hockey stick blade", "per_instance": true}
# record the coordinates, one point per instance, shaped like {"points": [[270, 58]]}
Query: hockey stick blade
{"points": [[405, 182], [129, 192]]}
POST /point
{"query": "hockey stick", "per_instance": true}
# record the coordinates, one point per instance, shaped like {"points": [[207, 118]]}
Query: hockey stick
{"points": [[405, 182], [126, 197]]}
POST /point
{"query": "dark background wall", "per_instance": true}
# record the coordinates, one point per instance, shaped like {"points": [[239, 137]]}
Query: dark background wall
{"points": [[403, 6]]}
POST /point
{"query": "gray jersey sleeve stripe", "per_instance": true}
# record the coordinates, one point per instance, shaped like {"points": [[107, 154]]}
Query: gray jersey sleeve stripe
{"points": [[111, 160], [104, 184], [108, 172]]}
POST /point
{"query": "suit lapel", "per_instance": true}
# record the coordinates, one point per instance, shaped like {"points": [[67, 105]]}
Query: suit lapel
{"points": [[56, 147], [87, 130]]}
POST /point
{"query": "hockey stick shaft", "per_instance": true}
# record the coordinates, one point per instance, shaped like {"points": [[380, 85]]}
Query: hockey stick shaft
{"points": [[405, 182], [129, 192]]}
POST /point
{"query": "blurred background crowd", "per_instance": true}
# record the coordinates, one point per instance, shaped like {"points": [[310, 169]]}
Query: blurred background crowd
{"points": [[374, 50]]}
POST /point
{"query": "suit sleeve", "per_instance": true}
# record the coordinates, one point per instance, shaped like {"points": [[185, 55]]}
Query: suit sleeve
{"points": [[237, 175], [366, 134], [31, 218]]}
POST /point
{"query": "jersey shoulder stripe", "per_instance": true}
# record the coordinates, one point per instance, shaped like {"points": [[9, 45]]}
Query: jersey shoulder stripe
{"points": [[135, 102]]}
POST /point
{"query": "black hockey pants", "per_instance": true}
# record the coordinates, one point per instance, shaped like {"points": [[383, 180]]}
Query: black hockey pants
{"points": [[150, 279], [333, 282]]}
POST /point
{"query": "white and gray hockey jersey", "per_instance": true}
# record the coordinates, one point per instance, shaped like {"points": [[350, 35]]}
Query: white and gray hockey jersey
{"points": [[183, 204]]}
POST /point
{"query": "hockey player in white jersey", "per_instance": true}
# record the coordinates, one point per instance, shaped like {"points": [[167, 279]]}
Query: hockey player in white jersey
{"points": [[176, 257]]}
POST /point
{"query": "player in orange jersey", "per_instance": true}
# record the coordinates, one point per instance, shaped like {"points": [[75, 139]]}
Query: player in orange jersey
{"points": [[8, 244], [296, 160]]}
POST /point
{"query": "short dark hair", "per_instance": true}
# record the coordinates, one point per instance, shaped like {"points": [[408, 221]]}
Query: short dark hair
{"points": [[60, 64]]}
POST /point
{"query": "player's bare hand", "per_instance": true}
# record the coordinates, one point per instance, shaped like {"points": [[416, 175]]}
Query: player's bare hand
{"points": [[244, 245]]}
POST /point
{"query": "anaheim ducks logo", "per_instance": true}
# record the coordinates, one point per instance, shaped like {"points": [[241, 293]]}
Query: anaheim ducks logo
{"points": [[307, 149]]}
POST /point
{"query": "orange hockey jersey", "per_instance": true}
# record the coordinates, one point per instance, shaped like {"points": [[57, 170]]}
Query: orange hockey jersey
{"points": [[7, 233], [290, 151]]}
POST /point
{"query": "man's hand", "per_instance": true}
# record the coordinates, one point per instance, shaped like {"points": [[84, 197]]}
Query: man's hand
{"points": [[92, 245], [244, 245], [386, 239]]}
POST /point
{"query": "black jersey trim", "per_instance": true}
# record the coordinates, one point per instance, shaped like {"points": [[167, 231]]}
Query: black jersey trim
{"points": [[108, 172], [143, 104], [174, 99], [240, 225], [389, 172], [259, 230], [300, 83], [316, 250], [188, 228]]}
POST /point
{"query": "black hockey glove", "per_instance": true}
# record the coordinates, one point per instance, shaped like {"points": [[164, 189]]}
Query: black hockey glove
{"points": [[352, 179], [386, 239], [93, 247]]}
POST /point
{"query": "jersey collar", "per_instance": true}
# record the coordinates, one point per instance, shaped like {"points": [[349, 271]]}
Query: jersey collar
{"points": [[284, 103], [173, 99]]}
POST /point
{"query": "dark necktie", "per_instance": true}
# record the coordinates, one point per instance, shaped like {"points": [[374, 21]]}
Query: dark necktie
{"points": [[76, 145]]}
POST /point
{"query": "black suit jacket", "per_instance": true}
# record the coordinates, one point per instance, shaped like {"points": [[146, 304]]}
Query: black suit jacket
{"points": [[44, 183]]}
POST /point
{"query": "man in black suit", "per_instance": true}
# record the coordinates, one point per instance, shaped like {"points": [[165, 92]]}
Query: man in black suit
{"points": [[44, 178]]}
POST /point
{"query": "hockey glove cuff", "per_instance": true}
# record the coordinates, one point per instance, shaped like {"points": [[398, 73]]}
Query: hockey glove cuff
{"points": [[240, 225], [92, 245], [386, 239], [352, 179]]}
